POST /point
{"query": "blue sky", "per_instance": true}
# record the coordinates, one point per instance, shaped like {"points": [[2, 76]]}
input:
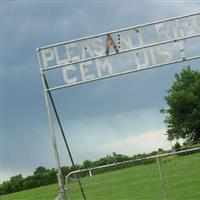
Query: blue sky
{"points": [[115, 115]]}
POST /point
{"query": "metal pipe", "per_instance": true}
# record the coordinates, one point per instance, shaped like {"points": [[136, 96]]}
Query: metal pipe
{"points": [[161, 178], [53, 137], [124, 51], [123, 73], [119, 30], [135, 160], [63, 134]]}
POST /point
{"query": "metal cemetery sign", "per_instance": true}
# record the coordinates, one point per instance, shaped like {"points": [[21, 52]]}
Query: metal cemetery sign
{"points": [[112, 54], [123, 51]]}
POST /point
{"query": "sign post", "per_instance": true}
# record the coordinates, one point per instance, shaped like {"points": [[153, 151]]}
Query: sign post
{"points": [[113, 54], [61, 195]]}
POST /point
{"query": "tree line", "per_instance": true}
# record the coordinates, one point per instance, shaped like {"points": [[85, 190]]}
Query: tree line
{"points": [[43, 176]]}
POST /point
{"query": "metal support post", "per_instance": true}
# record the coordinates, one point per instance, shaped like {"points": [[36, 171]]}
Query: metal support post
{"points": [[161, 178], [61, 195], [90, 173], [62, 132]]}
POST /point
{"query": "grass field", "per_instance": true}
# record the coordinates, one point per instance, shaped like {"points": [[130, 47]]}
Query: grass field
{"points": [[181, 177]]}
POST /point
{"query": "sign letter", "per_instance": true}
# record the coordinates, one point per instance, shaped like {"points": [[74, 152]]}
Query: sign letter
{"points": [[65, 74], [47, 55], [106, 66], [84, 71]]}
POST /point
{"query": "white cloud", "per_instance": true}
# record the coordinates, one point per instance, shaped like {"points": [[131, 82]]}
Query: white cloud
{"points": [[127, 133], [146, 142]]}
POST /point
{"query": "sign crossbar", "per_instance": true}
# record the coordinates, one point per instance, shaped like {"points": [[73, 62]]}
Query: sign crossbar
{"points": [[120, 52], [124, 73], [116, 31]]}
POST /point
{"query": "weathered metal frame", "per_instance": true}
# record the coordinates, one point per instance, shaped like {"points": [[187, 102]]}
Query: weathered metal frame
{"points": [[47, 90], [123, 73], [61, 195], [155, 44], [121, 52], [119, 30], [157, 161]]}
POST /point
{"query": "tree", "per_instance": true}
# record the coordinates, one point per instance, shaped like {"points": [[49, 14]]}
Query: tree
{"points": [[16, 183], [183, 111], [119, 157], [5, 188], [65, 170], [87, 164], [177, 146], [30, 182], [40, 170]]}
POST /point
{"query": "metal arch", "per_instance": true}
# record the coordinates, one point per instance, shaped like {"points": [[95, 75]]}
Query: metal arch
{"points": [[121, 52], [49, 102], [94, 57], [119, 30]]}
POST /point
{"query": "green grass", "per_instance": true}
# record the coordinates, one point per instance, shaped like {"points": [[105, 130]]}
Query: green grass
{"points": [[181, 176], [40, 193]]}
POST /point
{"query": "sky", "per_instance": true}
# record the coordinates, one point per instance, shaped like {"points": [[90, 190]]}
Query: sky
{"points": [[119, 115]]}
